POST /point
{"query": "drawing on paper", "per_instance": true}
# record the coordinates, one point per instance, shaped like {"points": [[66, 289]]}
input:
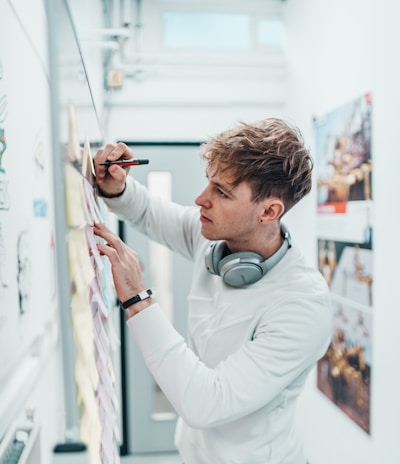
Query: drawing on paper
{"points": [[24, 276], [4, 198]]}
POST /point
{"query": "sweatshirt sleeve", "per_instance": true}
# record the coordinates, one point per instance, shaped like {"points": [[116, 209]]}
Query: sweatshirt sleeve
{"points": [[207, 397], [168, 223]]}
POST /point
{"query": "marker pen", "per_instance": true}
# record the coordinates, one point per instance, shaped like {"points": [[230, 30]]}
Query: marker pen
{"points": [[124, 162]]}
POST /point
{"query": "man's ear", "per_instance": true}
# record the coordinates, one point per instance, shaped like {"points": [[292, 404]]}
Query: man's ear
{"points": [[273, 209]]}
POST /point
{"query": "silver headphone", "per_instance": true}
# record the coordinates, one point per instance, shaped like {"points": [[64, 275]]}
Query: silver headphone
{"points": [[244, 267]]}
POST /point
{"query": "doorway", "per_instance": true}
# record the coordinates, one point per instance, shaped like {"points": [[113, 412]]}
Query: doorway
{"points": [[175, 172]]}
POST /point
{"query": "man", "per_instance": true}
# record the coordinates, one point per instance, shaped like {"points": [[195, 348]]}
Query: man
{"points": [[258, 317]]}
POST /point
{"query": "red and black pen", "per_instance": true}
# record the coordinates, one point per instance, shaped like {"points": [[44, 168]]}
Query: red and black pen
{"points": [[125, 162]]}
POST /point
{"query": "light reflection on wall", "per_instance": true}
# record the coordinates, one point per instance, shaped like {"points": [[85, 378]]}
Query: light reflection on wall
{"points": [[160, 183]]}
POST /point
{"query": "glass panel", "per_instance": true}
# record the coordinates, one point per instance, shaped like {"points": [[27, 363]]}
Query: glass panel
{"points": [[160, 183], [73, 82], [206, 30], [270, 32]]}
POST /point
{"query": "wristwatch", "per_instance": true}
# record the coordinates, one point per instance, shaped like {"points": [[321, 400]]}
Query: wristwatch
{"points": [[135, 299]]}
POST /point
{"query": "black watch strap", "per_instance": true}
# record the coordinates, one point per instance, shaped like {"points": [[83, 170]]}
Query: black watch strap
{"points": [[135, 299]]}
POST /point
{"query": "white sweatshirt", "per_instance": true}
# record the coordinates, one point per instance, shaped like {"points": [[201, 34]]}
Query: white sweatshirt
{"points": [[235, 381]]}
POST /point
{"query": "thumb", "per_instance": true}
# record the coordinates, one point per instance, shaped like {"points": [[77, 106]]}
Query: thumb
{"points": [[117, 172]]}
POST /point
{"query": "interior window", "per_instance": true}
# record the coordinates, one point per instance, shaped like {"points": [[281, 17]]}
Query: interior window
{"points": [[206, 30], [270, 32]]}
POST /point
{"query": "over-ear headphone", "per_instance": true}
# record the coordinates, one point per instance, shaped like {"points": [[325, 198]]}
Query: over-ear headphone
{"points": [[244, 267]]}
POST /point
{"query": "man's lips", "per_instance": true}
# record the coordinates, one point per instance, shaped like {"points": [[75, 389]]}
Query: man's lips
{"points": [[204, 219]]}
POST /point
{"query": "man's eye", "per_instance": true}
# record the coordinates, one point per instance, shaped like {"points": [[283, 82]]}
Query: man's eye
{"points": [[221, 192]]}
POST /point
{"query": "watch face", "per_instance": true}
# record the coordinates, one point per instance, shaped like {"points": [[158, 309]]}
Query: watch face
{"points": [[145, 294]]}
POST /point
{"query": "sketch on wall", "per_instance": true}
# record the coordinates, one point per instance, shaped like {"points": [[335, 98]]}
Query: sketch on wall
{"points": [[3, 192], [345, 254], [24, 268], [3, 283], [4, 201]]}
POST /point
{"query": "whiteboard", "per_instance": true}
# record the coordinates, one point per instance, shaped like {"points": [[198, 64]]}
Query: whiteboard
{"points": [[28, 290]]}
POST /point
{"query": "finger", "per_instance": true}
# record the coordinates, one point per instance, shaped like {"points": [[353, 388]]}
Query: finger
{"points": [[99, 158], [112, 240], [103, 152], [118, 173], [102, 155], [108, 150], [111, 176], [102, 231], [110, 252], [123, 151], [124, 268], [114, 249], [118, 151], [99, 153]]}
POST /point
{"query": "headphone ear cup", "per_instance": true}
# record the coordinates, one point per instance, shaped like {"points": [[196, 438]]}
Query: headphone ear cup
{"points": [[244, 267], [241, 268], [213, 256]]}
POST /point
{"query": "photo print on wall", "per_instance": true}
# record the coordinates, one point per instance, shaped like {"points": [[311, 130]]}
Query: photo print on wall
{"points": [[345, 253]]}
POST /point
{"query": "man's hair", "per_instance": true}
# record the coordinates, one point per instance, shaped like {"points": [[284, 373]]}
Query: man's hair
{"points": [[269, 155]]}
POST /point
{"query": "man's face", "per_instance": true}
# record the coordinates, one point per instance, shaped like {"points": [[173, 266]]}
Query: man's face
{"points": [[228, 214]]}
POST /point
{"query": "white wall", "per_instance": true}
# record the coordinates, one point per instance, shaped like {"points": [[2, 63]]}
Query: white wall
{"points": [[337, 51], [183, 95], [186, 119], [30, 361]]}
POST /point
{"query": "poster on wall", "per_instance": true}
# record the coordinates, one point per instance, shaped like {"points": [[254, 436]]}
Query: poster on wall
{"points": [[345, 253]]}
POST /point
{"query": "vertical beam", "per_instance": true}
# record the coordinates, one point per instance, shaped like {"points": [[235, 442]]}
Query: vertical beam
{"points": [[54, 8]]}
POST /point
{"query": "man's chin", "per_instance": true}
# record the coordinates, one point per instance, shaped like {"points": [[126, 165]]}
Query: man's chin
{"points": [[212, 238], [207, 235]]}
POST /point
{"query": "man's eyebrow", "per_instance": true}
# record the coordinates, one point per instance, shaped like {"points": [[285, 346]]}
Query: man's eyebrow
{"points": [[222, 186]]}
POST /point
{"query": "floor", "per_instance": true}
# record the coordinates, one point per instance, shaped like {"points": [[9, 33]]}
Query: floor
{"points": [[152, 459]]}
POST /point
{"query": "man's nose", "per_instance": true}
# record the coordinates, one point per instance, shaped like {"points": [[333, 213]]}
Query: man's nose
{"points": [[202, 199]]}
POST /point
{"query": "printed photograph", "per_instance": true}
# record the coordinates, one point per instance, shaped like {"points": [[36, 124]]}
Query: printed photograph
{"points": [[343, 147], [344, 373]]}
